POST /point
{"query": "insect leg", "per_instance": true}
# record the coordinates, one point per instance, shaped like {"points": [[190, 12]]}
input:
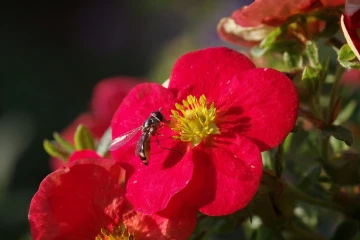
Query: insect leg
{"points": [[158, 142]]}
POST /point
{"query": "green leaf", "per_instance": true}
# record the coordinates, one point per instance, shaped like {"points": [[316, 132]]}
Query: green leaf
{"points": [[288, 141], [286, 45], [311, 79], [346, 113], [55, 150], [324, 67], [278, 161], [83, 138], [355, 65], [63, 143], [346, 230], [292, 60], [340, 133], [312, 53], [344, 169], [346, 54], [104, 143], [258, 51], [310, 178], [270, 39]]}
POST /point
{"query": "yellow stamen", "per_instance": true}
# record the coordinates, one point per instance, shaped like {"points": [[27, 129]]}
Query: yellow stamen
{"points": [[193, 120], [119, 232]]}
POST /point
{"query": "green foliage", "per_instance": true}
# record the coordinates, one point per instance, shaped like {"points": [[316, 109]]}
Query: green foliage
{"points": [[347, 58], [83, 138], [345, 169], [310, 178], [312, 53], [311, 79], [55, 150], [271, 38], [347, 230], [104, 143], [278, 164], [63, 143], [293, 61], [346, 54], [339, 132], [346, 113]]}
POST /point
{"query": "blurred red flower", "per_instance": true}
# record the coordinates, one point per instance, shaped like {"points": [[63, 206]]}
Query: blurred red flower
{"points": [[223, 111], [249, 25], [84, 200], [350, 24], [107, 96], [351, 78]]}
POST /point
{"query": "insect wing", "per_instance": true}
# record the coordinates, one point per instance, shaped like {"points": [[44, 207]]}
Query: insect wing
{"points": [[144, 137], [123, 139]]}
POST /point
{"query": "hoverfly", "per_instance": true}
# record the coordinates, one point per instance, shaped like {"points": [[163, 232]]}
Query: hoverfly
{"points": [[149, 128]]}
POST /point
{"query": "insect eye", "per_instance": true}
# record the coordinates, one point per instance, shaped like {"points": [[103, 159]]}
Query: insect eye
{"points": [[158, 115]]}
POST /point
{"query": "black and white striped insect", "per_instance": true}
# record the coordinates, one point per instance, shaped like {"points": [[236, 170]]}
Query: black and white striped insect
{"points": [[148, 129]]}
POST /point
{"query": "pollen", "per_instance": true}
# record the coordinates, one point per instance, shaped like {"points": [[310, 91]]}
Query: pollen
{"points": [[119, 232], [194, 120]]}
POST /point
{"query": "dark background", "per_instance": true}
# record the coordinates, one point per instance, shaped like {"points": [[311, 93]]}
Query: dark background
{"points": [[53, 53]]}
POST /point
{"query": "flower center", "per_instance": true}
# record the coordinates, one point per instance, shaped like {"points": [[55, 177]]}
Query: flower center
{"points": [[119, 232], [193, 120]]}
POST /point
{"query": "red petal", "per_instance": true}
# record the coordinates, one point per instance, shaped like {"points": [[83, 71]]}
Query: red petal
{"points": [[332, 3], [135, 109], [351, 8], [351, 78], [150, 188], [81, 154], [208, 70], [108, 94], [270, 12], [56, 163], [350, 24], [261, 105], [225, 178], [175, 222], [77, 201], [231, 32]]}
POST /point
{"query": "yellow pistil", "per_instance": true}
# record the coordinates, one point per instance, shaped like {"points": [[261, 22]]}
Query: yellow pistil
{"points": [[119, 233], [193, 120]]}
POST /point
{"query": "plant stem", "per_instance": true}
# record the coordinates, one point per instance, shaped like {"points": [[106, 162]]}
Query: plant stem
{"points": [[334, 89], [315, 201], [279, 160], [333, 95]]}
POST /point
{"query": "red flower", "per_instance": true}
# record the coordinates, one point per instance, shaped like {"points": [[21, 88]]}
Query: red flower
{"points": [[107, 96], [85, 199], [81, 154], [249, 25], [236, 111], [351, 78], [350, 24]]}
